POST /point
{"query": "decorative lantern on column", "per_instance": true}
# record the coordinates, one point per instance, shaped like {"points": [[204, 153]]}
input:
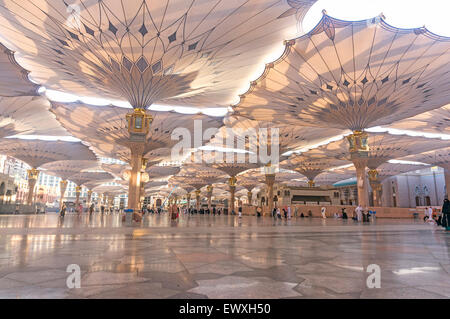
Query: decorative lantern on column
{"points": [[139, 122], [33, 173], [358, 143]]}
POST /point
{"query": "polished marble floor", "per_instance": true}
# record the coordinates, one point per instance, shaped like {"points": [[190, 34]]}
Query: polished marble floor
{"points": [[220, 257]]}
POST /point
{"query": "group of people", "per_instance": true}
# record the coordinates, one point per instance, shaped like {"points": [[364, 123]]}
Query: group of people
{"points": [[79, 209], [442, 219]]}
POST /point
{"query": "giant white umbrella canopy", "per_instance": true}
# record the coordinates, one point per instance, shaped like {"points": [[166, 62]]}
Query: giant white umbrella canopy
{"points": [[382, 147], [160, 171], [83, 177], [251, 135], [110, 192], [105, 128], [28, 115], [67, 168], [310, 167], [36, 153], [352, 75], [117, 170], [176, 51], [14, 79], [39, 152]]}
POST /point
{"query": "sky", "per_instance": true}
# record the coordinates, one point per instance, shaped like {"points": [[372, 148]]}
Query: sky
{"points": [[433, 14]]}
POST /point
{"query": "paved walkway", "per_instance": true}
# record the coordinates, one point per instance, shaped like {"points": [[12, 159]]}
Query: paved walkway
{"points": [[221, 257]]}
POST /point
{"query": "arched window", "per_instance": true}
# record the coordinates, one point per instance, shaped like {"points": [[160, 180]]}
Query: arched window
{"points": [[417, 201]]}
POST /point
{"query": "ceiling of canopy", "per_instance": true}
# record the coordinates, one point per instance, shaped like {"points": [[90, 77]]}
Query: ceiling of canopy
{"points": [[174, 51], [28, 115], [252, 135], [67, 168], [311, 167], [436, 121], [382, 147], [38, 152], [13, 78], [83, 177], [110, 190], [352, 75], [439, 157], [105, 128]]}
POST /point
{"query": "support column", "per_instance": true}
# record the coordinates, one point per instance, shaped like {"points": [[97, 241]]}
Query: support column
{"points": [[144, 180], [111, 201], [232, 185], [62, 190], [209, 190], [32, 179], [361, 183], [138, 126], [188, 198], [197, 199], [359, 152], [311, 183], [89, 197], [270, 180], [249, 197], [77, 194], [134, 186], [376, 187]]}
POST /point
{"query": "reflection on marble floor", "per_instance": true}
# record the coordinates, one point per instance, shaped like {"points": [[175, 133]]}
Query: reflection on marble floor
{"points": [[220, 257]]}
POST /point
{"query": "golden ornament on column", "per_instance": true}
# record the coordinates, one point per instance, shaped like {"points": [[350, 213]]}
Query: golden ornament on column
{"points": [[311, 183]]}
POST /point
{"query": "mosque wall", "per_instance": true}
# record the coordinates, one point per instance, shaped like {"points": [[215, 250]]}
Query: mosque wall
{"points": [[414, 189]]}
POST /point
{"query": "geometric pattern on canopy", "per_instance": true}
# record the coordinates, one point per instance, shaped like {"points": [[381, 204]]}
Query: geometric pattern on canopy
{"points": [[67, 168], [436, 121], [84, 177], [199, 176], [13, 78], [109, 190], [391, 169], [352, 75], [438, 157], [157, 171], [310, 167], [105, 127], [147, 51], [259, 174], [289, 137], [116, 170], [28, 115], [382, 147], [38, 152]]}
